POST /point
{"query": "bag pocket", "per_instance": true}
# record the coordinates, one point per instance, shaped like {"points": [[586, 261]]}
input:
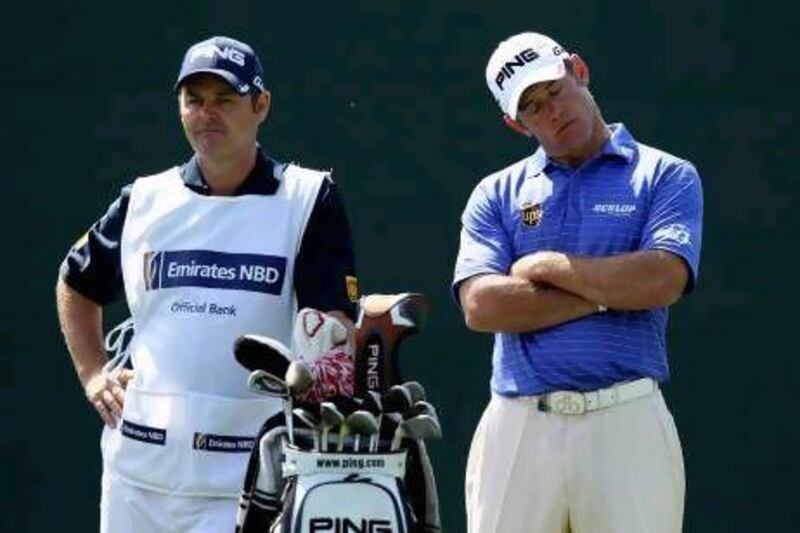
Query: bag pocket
{"points": [[351, 503]]}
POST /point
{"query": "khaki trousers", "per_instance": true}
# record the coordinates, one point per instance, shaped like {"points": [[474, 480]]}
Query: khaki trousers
{"points": [[614, 470]]}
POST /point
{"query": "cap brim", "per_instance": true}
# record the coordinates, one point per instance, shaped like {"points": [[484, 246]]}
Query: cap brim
{"points": [[551, 72], [235, 83]]}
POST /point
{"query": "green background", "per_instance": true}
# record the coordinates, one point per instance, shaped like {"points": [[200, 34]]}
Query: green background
{"points": [[391, 95]]}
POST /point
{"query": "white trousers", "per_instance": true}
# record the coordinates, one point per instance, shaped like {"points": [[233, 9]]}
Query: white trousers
{"points": [[615, 470], [125, 508]]}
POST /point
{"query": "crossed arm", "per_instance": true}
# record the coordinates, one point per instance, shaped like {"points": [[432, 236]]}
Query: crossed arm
{"points": [[547, 288]]}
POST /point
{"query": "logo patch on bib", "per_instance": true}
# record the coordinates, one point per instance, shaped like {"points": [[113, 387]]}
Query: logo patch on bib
{"points": [[216, 270]]}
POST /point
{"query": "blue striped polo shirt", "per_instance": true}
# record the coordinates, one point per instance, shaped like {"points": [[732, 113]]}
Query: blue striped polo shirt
{"points": [[629, 197]]}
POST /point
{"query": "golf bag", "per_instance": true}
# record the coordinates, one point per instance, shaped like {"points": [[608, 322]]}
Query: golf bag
{"points": [[294, 485], [286, 486], [373, 484]]}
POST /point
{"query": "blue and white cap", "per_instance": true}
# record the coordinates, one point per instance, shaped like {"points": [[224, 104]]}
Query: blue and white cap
{"points": [[232, 60], [519, 62]]}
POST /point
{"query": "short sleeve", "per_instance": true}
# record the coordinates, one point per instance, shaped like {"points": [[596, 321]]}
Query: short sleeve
{"points": [[675, 221], [485, 246], [92, 266], [325, 273]]}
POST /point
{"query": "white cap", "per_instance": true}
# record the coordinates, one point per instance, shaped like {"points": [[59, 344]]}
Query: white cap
{"points": [[519, 62]]}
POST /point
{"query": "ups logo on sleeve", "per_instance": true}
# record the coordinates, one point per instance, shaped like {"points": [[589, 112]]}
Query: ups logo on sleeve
{"points": [[531, 214], [351, 283]]}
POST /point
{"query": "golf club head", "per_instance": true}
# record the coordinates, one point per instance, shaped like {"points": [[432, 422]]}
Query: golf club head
{"points": [[397, 399], [384, 320], [372, 402], [422, 427], [346, 404], [311, 421], [422, 408], [391, 421], [416, 390], [330, 415], [362, 423], [309, 418], [298, 378], [262, 382], [257, 352]]}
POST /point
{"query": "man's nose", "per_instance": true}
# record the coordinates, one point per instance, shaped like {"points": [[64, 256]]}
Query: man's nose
{"points": [[552, 110], [208, 108]]}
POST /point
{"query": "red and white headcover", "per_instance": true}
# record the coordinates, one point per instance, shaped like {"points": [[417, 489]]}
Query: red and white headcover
{"points": [[322, 342]]}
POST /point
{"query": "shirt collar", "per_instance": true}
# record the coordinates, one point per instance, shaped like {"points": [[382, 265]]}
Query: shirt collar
{"points": [[262, 180], [620, 145]]}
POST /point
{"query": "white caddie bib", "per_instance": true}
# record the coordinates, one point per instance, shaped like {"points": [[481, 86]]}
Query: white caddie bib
{"points": [[199, 271]]}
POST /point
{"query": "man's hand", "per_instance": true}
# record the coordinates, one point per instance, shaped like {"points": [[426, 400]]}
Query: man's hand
{"points": [[106, 393], [513, 304], [630, 281], [538, 266]]}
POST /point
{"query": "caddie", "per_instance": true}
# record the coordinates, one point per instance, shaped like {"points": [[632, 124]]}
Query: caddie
{"points": [[231, 241]]}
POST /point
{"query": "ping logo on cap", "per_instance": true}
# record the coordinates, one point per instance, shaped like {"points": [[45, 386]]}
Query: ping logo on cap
{"points": [[506, 71], [211, 50], [234, 61], [518, 61]]}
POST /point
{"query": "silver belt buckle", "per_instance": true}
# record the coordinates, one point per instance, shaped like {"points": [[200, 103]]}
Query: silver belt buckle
{"points": [[564, 403]]}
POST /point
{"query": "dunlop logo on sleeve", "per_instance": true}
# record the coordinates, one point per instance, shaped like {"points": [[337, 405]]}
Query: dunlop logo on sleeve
{"points": [[146, 434], [223, 443], [216, 270]]}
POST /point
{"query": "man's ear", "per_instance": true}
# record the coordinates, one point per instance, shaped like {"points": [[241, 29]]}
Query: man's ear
{"points": [[580, 69], [262, 104], [516, 126]]}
